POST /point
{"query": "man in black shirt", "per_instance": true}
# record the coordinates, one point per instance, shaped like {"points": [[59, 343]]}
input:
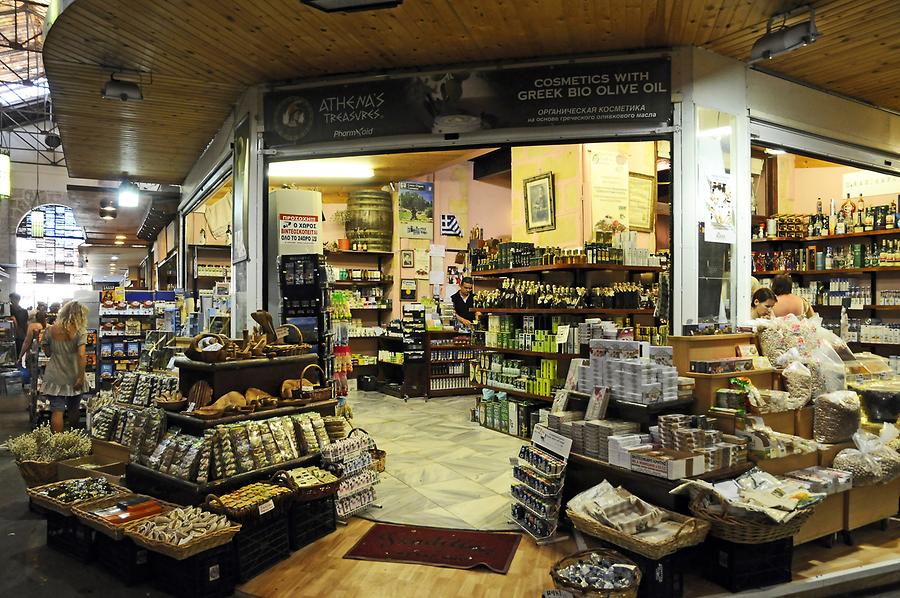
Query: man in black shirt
{"points": [[462, 303], [20, 315]]}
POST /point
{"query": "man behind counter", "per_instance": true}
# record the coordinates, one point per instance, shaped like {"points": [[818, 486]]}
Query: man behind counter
{"points": [[462, 303]]}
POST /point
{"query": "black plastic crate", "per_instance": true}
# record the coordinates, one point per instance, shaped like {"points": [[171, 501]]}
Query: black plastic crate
{"points": [[69, 536], [739, 567], [310, 521], [259, 545], [663, 578], [123, 558], [210, 574]]}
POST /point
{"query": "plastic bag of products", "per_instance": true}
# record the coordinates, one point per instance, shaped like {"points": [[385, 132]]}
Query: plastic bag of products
{"points": [[798, 383], [871, 462], [836, 416]]}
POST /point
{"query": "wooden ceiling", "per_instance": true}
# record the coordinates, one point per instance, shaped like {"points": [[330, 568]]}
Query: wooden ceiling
{"points": [[202, 56], [85, 202]]}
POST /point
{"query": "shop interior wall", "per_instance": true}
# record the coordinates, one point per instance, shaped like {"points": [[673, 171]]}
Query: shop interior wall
{"points": [[800, 187]]}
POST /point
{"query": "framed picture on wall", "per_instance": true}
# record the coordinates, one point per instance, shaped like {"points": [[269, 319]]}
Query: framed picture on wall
{"points": [[540, 203], [406, 258]]}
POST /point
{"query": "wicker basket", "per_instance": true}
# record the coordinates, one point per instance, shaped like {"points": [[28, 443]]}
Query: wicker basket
{"points": [[194, 352], [379, 457], [310, 493], [692, 532], [37, 473], [740, 530], [65, 508], [252, 513], [321, 392], [83, 512], [562, 584], [183, 551]]}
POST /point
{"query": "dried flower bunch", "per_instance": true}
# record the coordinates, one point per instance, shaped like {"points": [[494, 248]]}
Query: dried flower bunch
{"points": [[41, 444]]}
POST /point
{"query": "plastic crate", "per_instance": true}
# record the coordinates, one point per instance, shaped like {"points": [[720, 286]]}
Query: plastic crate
{"points": [[663, 578], [739, 567], [210, 574], [123, 558], [309, 521], [69, 536], [260, 545]]}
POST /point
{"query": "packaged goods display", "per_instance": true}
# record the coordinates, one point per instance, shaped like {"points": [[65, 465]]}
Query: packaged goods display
{"points": [[823, 479], [527, 294], [596, 572], [872, 461], [181, 526], [722, 366], [356, 490], [252, 495], [306, 477], [617, 248], [617, 365], [79, 490], [616, 508], [128, 510]]}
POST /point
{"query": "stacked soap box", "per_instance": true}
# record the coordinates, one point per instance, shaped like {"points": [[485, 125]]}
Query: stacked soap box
{"points": [[618, 365]]}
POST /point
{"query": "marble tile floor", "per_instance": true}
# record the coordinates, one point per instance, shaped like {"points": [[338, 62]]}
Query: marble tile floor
{"points": [[442, 470]]}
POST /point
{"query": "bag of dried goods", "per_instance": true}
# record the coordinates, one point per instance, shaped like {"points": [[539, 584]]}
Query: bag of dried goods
{"points": [[798, 383], [836, 416], [871, 462]]}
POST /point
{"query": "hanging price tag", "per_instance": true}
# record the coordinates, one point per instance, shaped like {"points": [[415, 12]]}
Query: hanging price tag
{"points": [[266, 507]]}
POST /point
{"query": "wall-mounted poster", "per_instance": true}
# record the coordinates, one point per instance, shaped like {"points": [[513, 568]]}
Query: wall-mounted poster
{"points": [[415, 201], [609, 187], [406, 258], [719, 209], [408, 288], [641, 202]]}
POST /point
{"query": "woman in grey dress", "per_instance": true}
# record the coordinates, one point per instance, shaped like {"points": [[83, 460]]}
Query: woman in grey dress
{"points": [[63, 382]]}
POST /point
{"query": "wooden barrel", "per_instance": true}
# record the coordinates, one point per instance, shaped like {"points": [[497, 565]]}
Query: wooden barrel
{"points": [[370, 219]]}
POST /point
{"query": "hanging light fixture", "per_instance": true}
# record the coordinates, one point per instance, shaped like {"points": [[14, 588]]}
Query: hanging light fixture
{"points": [[351, 5], [108, 210], [129, 195]]}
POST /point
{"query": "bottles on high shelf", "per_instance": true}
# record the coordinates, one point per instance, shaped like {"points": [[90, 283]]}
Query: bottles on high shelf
{"points": [[839, 228], [860, 225], [891, 216], [849, 209]]}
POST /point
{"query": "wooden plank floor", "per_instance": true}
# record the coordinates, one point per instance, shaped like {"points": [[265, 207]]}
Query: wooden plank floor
{"points": [[321, 570]]}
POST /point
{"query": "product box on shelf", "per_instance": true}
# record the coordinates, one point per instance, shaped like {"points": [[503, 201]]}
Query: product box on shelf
{"points": [[722, 366], [666, 463]]}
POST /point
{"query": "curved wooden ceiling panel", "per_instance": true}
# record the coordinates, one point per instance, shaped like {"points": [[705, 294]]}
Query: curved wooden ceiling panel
{"points": [[202, 55]]}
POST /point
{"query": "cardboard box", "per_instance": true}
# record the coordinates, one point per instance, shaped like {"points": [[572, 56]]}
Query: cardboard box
{"points": [[668, 464], [827, 452], [780, 421], [827, 519], [803, 422], [782, 465], [74, 468], [868, 504]]}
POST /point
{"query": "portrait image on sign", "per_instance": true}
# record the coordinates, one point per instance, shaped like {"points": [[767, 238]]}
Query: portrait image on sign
{"points": [[540, 204], [294, 117]]}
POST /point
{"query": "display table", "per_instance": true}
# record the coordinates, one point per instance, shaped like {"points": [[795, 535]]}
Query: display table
{"points": [[266, 374]]}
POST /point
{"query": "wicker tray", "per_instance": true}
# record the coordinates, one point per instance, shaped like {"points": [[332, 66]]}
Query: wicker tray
{"points": [[614, 556], [741, 531], [252, 513], [116, 532], [692, 532], [310, 493], [184, 551], [63, 508]]}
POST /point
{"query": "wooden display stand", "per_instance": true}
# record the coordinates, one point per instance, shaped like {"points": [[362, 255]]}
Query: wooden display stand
{"points": [[870, 504], [827, 452], [714, 346], [782, 465], [706, 385], [827, 519], [264, 373]]}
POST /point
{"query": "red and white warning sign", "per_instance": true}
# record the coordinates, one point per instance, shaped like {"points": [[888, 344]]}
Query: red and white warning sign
{"points": [[298, 230]]}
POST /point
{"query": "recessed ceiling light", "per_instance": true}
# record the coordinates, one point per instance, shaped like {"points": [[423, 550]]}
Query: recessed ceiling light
{"points": [[119, 242], [351, 5], [114, 258], [121, 237], [321, 169], [775, 152]]}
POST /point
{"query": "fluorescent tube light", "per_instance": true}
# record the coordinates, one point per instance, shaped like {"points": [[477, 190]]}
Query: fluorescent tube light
{"points": [[321, 169]]}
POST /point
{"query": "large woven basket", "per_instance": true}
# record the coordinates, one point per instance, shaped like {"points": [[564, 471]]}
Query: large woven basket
{"points": [[83, 513], [256, 512], [183, 551], [562, 584], [692, 532], [310, 493], [37, 473], [740, 530]]}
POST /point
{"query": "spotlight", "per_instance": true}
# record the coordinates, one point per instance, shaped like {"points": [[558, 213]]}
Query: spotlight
{"points": [[129, 194], [785, 39], [108, 209], [121, 90], [52, 140]]}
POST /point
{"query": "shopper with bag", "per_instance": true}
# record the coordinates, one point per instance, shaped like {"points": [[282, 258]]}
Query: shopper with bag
{"points": [[64, 343]]}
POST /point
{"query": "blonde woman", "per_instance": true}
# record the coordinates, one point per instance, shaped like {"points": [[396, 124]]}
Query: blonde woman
{"points": [[63, 383]]}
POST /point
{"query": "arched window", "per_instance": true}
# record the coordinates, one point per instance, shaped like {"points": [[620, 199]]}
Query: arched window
{"points": [[49, 267]]}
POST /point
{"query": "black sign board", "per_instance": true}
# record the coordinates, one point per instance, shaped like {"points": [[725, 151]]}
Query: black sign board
{"points": [[635, 91]]}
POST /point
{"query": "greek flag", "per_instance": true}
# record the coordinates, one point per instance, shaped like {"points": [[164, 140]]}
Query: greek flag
{"points": [[450, 226]]}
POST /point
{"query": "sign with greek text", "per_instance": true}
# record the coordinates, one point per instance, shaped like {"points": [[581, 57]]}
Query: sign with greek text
{"points": [[298, 231], [463, 101]]}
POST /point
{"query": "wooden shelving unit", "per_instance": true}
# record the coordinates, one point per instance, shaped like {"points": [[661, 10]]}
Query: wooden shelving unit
{"points": [[816, 239], [832, 272], [515, 393], [430, 346], [530, 353], [565, 268], [587, 311]]}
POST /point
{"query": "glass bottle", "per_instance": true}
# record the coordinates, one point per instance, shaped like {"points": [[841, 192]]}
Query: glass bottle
{"points": [[829, 260], [891, 217], [839, 228]]}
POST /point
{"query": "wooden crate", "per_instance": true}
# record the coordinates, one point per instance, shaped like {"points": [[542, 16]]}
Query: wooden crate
{"points": [[803, 422], [706, 385], [827, 452], [782, 465], [780, 421], [715, 346], [869, 504], [827, 519]]}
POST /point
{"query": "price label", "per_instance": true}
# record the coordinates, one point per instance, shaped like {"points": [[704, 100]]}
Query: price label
{"points": [[191, 407], [513, 461], [551, 441], [214, 572], [562, 334], [266, 507], [281, 333]]}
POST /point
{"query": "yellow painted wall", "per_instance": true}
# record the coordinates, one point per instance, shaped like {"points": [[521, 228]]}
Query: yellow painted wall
{"points": [[565, 162]]}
